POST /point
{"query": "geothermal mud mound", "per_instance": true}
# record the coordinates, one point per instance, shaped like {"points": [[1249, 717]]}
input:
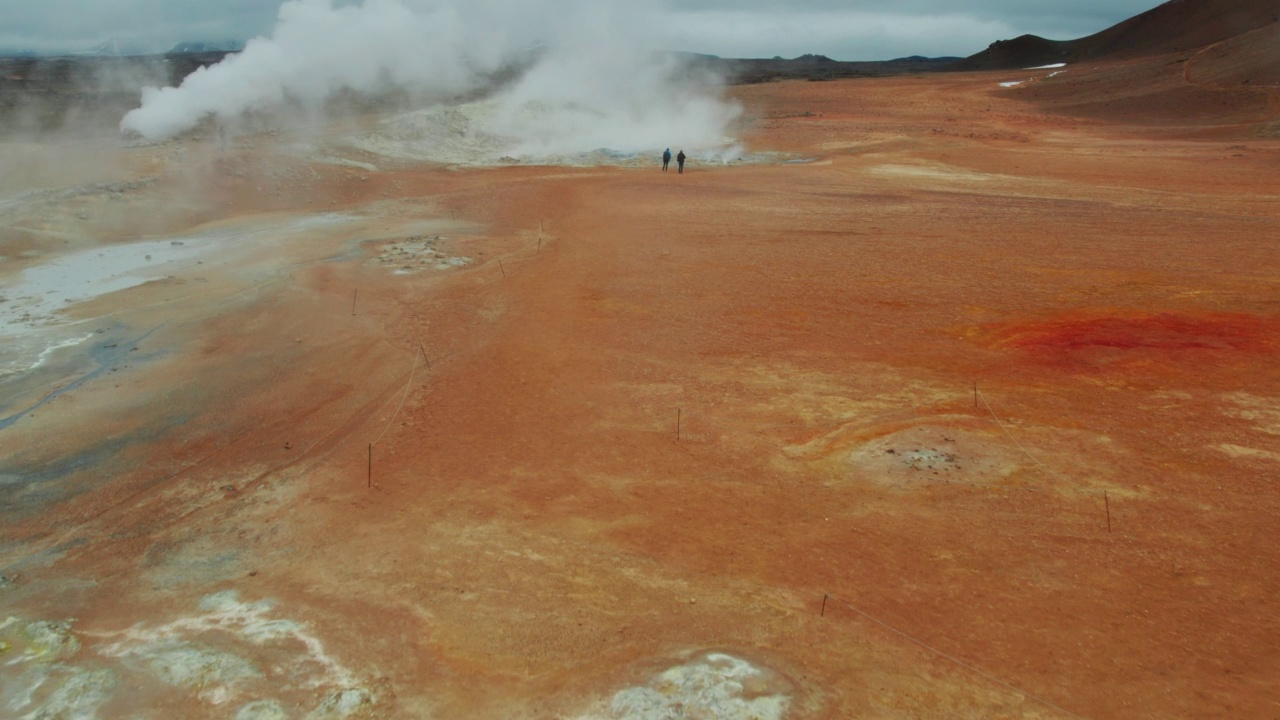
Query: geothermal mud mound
{"points": [[56, 670], [444, 134], [491, 132], [716, 685]]}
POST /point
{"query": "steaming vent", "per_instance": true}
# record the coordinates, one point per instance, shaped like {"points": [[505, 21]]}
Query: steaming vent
{"points": [[589, 88]]}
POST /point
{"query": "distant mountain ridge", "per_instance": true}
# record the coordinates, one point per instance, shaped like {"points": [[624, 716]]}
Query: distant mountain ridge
{"points": [[813, 67], [225, 46], [115, 47], [1175, 26]]}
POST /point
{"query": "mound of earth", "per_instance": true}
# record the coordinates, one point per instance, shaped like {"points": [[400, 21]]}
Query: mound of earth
{"points": [[1020, 52]]}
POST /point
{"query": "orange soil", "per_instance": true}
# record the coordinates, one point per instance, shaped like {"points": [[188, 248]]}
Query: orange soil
{"points": [[538, 537]]}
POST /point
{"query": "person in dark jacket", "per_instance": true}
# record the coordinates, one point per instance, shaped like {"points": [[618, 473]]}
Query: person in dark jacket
{"points": [[666, 159], [680, 162]]}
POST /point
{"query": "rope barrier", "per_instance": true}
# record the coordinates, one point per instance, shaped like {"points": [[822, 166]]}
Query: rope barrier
{"points": [[404, 396], [1027, 452]]}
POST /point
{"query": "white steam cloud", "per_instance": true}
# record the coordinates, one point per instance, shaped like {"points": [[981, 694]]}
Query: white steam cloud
{"points": [[595, 82]]}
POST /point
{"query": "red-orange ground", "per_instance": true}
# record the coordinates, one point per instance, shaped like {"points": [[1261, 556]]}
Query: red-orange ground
{"points": [[538, 537]]}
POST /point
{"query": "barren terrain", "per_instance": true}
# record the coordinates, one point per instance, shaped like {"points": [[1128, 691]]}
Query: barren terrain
{"points": [[969, 410]]}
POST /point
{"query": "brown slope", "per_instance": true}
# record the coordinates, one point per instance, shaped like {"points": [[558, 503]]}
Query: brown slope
{"points": [[1175, 26], [1227, 89], [1252, 59]]}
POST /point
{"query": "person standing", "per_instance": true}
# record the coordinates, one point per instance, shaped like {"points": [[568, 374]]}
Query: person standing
{"points": [[666, 159], [680, 162]]}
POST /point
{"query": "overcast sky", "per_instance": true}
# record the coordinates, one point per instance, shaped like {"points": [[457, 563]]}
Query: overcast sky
{"points": [[841, 29]]}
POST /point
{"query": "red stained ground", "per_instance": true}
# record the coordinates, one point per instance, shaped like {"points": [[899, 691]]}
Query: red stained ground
{"points": [[1165, 332]]}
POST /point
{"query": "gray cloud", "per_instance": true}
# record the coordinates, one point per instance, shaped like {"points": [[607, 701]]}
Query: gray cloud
{"points": [[79, 24], [843, 29], [867, 30]]}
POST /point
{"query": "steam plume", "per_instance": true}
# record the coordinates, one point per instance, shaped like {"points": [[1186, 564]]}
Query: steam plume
{"points": [[594, 83]]}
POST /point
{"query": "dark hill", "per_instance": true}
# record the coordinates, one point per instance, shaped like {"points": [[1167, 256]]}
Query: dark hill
{"points": [[1221, 89], [809, 66], [1020, 52], [1175, 26]]}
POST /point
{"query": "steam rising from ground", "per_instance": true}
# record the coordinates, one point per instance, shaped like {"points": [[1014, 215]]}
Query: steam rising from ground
{"points": [[587, 77]]}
